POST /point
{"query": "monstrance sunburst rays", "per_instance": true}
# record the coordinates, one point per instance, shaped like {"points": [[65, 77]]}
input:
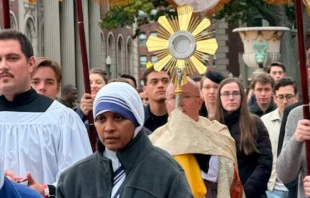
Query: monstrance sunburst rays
{"points": [[182, 42]]}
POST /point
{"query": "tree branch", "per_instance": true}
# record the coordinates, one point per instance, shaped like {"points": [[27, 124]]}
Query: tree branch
{"points": [[306, 21], [265, 12]]}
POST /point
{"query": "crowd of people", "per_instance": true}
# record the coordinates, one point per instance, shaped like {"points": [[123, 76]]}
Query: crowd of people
{"points": [[224, 141]]}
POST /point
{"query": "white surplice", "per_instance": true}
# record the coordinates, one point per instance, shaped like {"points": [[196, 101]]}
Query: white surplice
{"points": [[44, 143]]}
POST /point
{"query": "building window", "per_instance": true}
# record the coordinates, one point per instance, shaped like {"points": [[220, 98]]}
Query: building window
{"points": [[143, 61], [153, 15], [141, 83], [153, 34], [214, 33], [154, 59], [142, 39], [214, 60]]}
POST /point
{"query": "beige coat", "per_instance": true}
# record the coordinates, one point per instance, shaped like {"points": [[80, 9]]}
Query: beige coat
{"points": [[272, 121]]}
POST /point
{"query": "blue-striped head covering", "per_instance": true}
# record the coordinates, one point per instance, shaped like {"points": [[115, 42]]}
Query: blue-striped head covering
{"points": [[123, 99]]}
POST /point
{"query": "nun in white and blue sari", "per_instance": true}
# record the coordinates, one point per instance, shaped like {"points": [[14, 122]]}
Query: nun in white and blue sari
{"points": [[126, 164]]}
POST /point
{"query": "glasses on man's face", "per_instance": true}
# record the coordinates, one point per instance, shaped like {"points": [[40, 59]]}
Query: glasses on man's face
{"points": [[184, 97], [288, 97], [227, 94]]}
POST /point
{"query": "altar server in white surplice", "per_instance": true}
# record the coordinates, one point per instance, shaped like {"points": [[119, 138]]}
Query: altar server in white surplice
{"points": [[37, 134]]}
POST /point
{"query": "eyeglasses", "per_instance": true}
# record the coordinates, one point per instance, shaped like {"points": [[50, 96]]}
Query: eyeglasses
{"points": [[288, 97], [184, 97], [227, 94]]}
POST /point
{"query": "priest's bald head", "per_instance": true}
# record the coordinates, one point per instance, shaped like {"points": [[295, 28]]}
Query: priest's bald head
{"points": [[191, 101]]}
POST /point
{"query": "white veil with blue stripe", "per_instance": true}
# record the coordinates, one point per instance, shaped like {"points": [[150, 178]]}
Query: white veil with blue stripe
{"points": [[124, 96]]}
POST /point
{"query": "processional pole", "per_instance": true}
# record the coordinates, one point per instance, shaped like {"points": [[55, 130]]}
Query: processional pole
{"points": [[303, 70], [80, 21], [6, 14]]}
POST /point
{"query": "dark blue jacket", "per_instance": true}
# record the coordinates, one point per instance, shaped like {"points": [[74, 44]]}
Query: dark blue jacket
{"points": [[255, 109], [14, 190]]}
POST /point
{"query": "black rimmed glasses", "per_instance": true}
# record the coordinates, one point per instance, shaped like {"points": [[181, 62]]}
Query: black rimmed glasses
{"points": [[227, 94], [288, 97]]}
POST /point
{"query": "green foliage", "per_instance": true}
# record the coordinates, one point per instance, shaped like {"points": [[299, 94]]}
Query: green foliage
{"points": [[160, 3], [121, 16], [248, 10], [235, 10], [244, 10], [290, 11], [167, 12]]}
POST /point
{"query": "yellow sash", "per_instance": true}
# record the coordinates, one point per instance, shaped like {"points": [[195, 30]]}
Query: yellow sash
{"points": [[193, 174]]}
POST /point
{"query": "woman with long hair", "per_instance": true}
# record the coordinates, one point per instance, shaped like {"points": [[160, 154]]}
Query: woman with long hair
{"points": [[253, 145]]}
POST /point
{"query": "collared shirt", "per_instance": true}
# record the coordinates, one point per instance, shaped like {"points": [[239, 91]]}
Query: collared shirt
{"points": [[272, 122]]}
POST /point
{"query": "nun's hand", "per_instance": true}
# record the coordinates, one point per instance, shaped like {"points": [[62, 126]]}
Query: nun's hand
{"points": [[86, 104]]}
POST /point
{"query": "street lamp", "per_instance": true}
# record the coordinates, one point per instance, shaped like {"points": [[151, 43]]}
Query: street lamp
{"points": [[108, 61]]}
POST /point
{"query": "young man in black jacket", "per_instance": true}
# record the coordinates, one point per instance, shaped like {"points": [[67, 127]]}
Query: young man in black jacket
{"points": [[262, 87], [155, 85]]}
